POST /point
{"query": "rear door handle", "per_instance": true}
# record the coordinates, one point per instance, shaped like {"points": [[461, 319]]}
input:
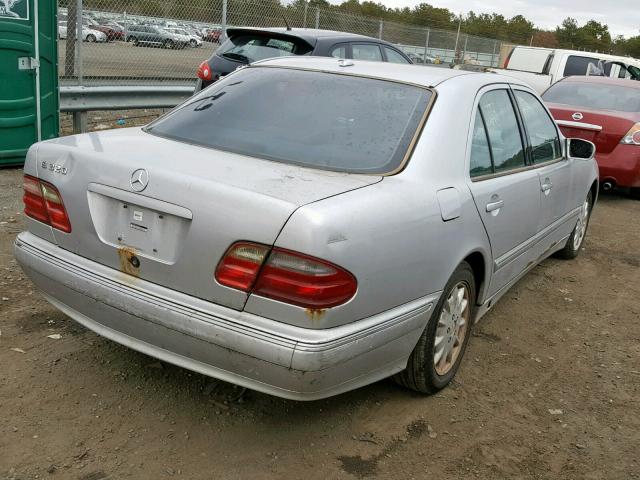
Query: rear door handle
{"points": [[492, 206]]}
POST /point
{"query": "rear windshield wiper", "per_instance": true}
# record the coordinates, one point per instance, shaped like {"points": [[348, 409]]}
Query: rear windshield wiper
{"points": [[237, 56]]}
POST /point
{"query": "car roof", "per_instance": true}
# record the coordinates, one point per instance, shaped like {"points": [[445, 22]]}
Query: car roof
{"points": [[307, 34], [623, 82], [426, 76]]}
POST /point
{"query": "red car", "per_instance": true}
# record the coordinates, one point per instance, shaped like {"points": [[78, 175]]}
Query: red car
{"points": [[605, 111], [111, 31], [212, 35]]}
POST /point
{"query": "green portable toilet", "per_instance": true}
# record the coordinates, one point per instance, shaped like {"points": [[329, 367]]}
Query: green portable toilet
{"points": [[28, 76]]}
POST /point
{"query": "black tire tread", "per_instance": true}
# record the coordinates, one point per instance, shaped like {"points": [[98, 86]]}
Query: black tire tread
{"points": [[414, 376]]}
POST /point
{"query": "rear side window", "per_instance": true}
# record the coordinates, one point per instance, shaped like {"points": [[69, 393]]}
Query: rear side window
{"points": [[543, 136], [252, 47], [503, 131], [339, 52], [393, 56], [366, 51], [309, 118], [595, 96], [480, 153], [578, 65]]}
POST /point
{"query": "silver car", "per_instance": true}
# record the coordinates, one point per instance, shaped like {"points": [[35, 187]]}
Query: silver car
{"points": [[307, 226]]}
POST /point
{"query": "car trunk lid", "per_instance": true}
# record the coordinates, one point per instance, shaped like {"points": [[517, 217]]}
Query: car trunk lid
{"points": [[166, 212], [604, 128]]}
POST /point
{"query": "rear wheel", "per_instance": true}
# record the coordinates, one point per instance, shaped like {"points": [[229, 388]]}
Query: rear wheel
{"points": [[576, 239], [134, 40], [634, 192], [438, 354], [193, 43], [168, 44], [91, 38]]}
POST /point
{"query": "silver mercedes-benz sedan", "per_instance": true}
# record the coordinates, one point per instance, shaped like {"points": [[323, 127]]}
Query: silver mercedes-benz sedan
{"points": [[306, 226]]}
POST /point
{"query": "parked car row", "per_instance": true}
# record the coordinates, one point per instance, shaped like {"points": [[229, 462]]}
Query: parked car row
{"points": [[114, 24], [168, 34]]}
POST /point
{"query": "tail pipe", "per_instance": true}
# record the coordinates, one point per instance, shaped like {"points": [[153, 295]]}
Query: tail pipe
{"points": [[608, 184]]}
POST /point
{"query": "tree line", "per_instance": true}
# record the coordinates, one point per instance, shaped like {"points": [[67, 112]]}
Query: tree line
{"points": [[591, 36]]}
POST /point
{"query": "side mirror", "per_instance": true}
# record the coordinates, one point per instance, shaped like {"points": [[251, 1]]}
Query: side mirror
{"points": [[578, 148]]}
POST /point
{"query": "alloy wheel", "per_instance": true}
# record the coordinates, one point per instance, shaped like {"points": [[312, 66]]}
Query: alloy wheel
{"points": [[452, 328], [581, 226]]}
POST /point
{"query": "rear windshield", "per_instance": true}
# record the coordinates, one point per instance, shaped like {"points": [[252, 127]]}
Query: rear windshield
{"points": [[596, 96], [252, 47], [309, 118]]}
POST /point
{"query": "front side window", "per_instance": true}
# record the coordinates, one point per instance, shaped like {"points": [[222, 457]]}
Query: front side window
{"points": [[393, 56], [366, 51], [543, 136], [309, 118], [503, 131], [577, 65]]}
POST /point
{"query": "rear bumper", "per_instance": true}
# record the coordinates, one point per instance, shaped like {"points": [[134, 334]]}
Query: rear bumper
{"points": [[622, 165], [245, 349]]}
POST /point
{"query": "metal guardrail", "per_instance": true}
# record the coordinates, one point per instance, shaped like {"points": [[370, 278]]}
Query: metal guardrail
{"points": [[81, 99]]}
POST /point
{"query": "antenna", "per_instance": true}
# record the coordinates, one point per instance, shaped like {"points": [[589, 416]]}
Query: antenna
{"points": [[286, 23]]}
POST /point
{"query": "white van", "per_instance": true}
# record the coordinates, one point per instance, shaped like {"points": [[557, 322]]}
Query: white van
{"points": [[542, 67]]}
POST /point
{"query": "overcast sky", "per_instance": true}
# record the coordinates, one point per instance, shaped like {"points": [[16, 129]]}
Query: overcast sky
{"points": [[622, 16]]}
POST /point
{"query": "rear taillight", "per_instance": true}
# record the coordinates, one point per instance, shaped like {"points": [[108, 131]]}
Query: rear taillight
{"points": [[286, 276], [204, 71], [33, 200], [43, 202], [632, 137], [240, 266]]}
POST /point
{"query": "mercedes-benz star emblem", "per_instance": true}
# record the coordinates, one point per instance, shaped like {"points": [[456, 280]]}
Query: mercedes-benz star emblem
{"points": [[139, 180], [577, 116]]}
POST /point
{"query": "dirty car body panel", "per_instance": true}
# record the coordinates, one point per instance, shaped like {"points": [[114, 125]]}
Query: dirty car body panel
{"points": [[152, 216]]}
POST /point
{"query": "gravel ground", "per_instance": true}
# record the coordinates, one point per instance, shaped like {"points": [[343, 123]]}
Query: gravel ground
{"points": [[124, 60], [548, 390], [107, 119]]}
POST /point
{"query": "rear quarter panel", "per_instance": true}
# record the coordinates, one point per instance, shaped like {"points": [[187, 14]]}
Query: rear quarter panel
{"points": [[390, 235]]}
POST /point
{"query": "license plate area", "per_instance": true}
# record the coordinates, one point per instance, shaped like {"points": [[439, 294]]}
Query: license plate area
{"points": [[154, 229]]}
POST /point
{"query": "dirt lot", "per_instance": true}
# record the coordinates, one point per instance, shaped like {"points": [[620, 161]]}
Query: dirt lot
{"points": [[124, 60], [548, 390]]}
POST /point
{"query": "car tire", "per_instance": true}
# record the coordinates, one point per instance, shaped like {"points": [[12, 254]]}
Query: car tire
{"points": [[634, 192], [133, 40], [576, 239], [168, 44], [193, 43], [431, 367], [91, 38]]}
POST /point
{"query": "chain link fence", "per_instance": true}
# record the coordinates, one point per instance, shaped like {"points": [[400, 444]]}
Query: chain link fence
{"points": [[117, 37]]}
